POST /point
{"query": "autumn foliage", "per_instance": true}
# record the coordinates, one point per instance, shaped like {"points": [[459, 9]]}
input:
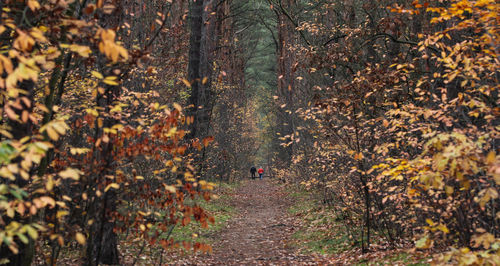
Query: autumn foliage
{"points": [[115, 112], [402, 139], [90, 154]]}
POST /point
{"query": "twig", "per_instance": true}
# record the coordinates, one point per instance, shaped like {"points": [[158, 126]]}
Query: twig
{"points": [[165, 16], [285, 12], [394, 39], [335, 39], [140, 252]]}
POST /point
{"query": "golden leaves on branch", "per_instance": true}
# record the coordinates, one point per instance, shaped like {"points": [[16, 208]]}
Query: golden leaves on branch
{"points": [[33, 5], [82, 50], [5, 65], [55, 129], [109, 47], [23, 42]]}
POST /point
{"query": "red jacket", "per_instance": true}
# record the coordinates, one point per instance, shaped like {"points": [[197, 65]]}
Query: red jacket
{"points": [[261, 171]]}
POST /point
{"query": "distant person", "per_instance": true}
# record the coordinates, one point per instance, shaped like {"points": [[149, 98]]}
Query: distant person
{"points": [[261, 173], [252, 171]]}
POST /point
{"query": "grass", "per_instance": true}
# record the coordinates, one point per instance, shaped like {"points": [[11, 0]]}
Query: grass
{"points": [[220, 209], [320, 232], [398, 258]]}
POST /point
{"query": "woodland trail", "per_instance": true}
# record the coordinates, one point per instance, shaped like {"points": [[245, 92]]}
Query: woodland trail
{"points": [[259, 234]]}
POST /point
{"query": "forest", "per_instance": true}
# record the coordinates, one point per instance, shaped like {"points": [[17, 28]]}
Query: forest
{"points": [[128, 129]]}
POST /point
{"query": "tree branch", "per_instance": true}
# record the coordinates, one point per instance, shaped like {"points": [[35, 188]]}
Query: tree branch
{"points": [[335, 39], [285, 12], [394, 39]]}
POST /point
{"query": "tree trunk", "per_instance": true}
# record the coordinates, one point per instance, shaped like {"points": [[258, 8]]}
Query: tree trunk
{"points": [[196, 16], [285, 77], [102, 246]]}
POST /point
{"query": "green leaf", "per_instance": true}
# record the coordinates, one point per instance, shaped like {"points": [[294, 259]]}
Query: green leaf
{"points": [[423, 242], [31, 231], [23, 238], [16, 193]]}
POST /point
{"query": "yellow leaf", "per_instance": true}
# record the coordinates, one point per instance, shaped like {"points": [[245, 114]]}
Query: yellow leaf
{"points": [[443, 228], [60, 127], [48, 201], [170, 189], [81, 50], [358, 156], [50, 184], [52, 133], [177, 106], [110, 82], [10, 212], [33, 5], [80, 238], [187, 83], [97, 75], [31, 231], [491, 157], [75, 151], [493, 193], [449, 190], [385, 123], [112, 185], [70, 173], [424, 242], [61, 214]]}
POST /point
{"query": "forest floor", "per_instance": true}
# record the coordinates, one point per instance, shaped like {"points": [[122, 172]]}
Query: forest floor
{"points": [[263, 222], [260, 233]]}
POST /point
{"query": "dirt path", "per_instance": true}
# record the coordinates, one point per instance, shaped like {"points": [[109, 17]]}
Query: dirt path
{"points": [[260, 233]]}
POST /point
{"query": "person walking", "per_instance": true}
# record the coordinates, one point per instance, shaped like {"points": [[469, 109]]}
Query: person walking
{"points": [[261, 173], [252, 171]]}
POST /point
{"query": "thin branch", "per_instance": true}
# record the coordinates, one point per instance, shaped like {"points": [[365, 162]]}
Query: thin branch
{"points": [[165, 16], [270, 30], [285, 12], [296, 24], [335, 39], [394, 39]]}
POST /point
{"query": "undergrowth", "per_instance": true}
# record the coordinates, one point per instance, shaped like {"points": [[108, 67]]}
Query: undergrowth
{"points": [[321, 231], [219, 207]]}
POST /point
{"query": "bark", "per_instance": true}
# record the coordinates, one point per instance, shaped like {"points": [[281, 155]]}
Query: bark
{"points": [[103, 241], [286, 77], [102, 245], [196, 17]]}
